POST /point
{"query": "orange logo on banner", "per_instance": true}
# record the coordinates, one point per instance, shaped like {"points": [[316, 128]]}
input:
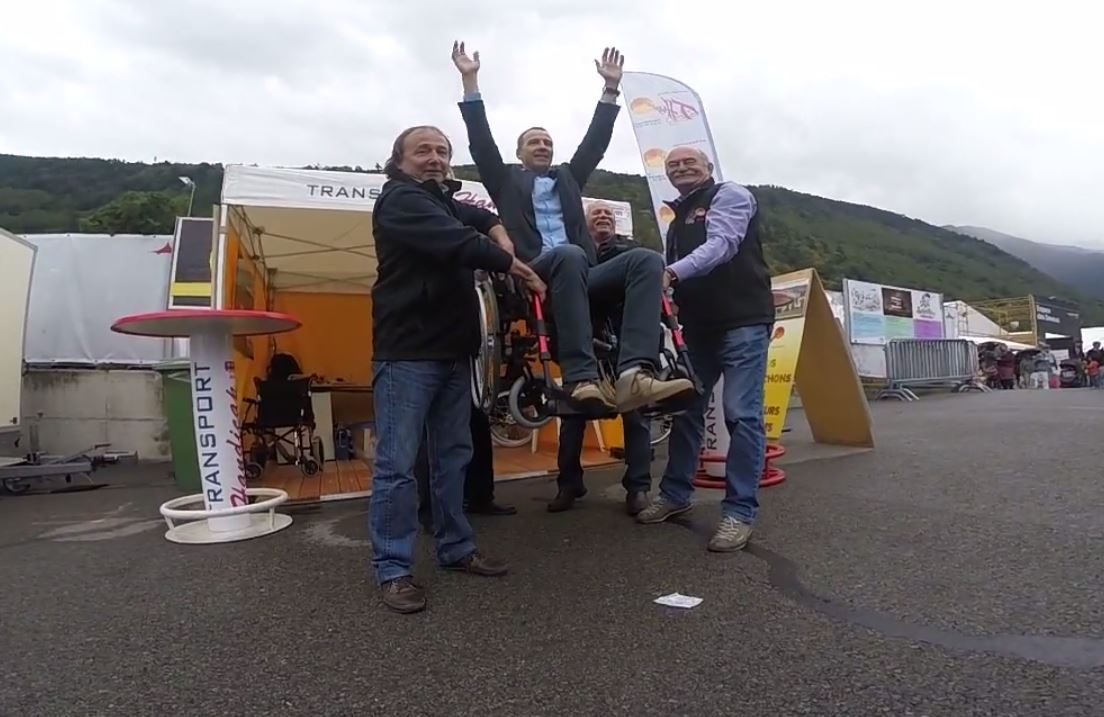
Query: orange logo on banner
{"points": [[666, 214], [655, 158], [643, 106]]}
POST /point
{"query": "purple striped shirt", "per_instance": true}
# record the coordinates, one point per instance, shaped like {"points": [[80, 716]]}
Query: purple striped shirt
{"points": [[726, 224]]}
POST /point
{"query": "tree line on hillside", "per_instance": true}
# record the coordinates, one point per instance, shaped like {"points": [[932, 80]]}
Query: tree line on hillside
{"points": [[53, 195]]}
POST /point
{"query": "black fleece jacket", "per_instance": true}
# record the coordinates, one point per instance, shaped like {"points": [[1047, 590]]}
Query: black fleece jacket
{"points": [[424, 305]]}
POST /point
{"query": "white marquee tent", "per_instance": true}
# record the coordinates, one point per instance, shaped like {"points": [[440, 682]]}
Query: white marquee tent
{"points": [[312, 229]]}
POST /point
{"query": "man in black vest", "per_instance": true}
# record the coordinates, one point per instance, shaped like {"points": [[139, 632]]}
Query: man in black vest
{"points": [[541, 207], [637, 428], [723, 290]]}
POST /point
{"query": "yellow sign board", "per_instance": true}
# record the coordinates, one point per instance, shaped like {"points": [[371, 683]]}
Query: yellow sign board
{"points": [[808, 349]]}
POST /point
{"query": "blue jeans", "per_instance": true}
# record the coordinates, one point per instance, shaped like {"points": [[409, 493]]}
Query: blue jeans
{"points": [[740, 355], [415, 399]]}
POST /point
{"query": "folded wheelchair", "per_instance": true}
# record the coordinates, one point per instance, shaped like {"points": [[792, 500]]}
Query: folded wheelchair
{"points": [[513, 370]]}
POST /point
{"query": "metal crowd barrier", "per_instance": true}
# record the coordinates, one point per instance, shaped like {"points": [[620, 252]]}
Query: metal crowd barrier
{"points": [[912, 363]]}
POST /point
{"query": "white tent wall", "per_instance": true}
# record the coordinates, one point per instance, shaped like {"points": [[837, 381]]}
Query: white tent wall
{"points": [[85, 384], [82, 284]]}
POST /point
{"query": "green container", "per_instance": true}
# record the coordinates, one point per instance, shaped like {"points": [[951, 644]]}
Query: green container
{"points": [[176, 382]]}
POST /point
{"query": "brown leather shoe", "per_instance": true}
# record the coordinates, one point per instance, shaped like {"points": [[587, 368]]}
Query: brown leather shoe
{"points": [[403, 596], [479, 564], [636, 501]]}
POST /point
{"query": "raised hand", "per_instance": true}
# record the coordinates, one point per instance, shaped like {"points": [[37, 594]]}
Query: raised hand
{"points": [[610, 67], [466, 65]]}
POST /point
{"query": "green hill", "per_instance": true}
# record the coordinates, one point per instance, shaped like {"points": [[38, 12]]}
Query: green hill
{"points": [[798, 230]]}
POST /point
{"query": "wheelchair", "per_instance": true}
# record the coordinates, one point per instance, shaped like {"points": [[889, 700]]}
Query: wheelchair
{"points": [[283, 426], [512, 378]]}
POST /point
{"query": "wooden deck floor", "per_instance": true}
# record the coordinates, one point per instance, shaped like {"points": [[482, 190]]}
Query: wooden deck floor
{"points": [[353, 479]]}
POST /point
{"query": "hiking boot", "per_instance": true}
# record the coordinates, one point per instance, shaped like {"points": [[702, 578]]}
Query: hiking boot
{"points": [[731, 535], [638, 387], [403, 596], [590, 397], [660, 510], [478, 564]]}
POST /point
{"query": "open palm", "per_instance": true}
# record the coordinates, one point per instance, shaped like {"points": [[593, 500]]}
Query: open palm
{"points": [[466, 65], [610, 67]]}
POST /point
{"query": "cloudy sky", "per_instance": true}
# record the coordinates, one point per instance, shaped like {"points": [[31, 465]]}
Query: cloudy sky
{"points": [[974, 112]]}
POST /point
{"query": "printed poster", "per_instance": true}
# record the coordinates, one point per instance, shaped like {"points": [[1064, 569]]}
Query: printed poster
{"points": [[877, 313], [927, 306], [897, 302], [791, 299]]}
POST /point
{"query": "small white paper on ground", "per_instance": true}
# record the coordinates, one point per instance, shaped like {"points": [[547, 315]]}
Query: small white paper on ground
{"points": [[676, 600]]}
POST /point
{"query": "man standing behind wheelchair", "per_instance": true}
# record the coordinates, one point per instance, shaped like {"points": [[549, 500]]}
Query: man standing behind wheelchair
{"points": [[542, 208], [637, 480], [425, 333], [723, 290]]}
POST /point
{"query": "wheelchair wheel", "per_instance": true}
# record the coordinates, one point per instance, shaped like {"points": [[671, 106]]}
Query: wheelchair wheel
{"points": [[487, 364], [528, 403], [311, 467], [505, 431], [318, 451], [253, 470], [661, 429]]}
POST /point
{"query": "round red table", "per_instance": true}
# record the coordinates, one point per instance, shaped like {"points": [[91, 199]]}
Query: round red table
{"points": [[228, 515]]}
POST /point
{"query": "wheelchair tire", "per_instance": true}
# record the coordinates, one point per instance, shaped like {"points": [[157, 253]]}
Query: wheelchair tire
{"points": [[253, 470], [519, 393], [501, 435], [487, 364], [311, 467], [318, 451], [661, 429]]}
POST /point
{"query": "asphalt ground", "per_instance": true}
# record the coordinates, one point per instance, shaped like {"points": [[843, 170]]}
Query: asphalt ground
{"points": [[956, 570]]}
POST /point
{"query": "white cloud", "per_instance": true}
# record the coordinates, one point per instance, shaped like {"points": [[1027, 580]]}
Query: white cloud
{"points": [[981, 113]]}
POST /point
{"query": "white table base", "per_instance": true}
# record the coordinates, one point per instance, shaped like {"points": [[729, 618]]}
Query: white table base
{"points": [[253, 523]]}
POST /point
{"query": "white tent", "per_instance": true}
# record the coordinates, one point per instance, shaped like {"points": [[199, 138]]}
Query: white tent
{"points": [[85, 282], [312, 229], [1014, 345]]}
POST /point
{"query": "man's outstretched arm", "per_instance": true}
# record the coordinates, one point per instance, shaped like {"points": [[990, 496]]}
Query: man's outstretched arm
{"points": [[726, 225], [481, 143], [598, 136]]}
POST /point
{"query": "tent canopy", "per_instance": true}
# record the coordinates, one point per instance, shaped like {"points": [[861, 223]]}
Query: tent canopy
{"points": [[312, 229]]}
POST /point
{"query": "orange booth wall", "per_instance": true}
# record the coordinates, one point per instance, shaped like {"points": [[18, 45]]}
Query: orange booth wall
{"points": [[334, 341]]}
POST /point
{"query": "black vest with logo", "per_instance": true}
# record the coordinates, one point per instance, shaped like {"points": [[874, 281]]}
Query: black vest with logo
{"points": [[736, 293]]}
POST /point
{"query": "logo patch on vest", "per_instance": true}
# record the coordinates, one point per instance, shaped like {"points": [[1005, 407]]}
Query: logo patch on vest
{"points": [[697, 215]]}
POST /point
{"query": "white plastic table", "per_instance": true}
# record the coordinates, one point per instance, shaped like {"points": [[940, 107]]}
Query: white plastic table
{"points": [[227, 514]]}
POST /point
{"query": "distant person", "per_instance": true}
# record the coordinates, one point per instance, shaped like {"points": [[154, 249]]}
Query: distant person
{"points": [[1041, 364], [1095, 355], [1006, 368]]}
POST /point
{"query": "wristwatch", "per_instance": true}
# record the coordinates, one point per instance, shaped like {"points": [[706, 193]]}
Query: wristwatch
{"points": [[672, 277]]}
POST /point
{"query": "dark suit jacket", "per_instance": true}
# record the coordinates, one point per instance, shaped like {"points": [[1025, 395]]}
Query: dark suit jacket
{"points": [[511, 185]]}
